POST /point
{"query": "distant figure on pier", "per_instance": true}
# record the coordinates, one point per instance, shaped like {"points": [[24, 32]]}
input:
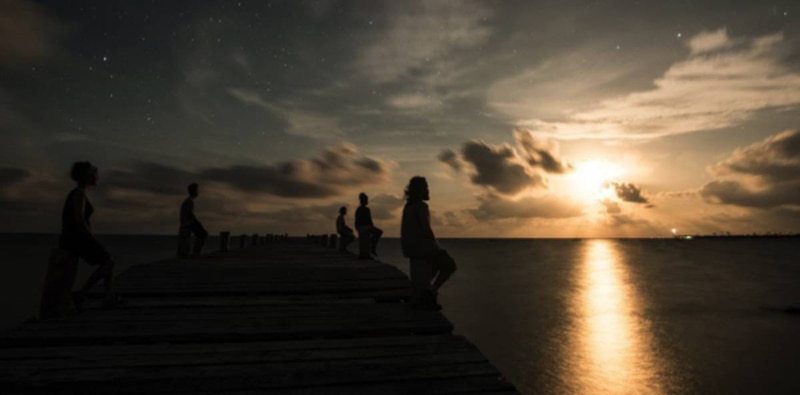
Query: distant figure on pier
{"points": [[366, 229], [345, 232], [77, 237], [190, 224], [430, 266]]}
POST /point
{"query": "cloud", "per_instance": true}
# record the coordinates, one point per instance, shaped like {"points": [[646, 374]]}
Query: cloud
{"points": [[628, 192], [723, 82], [385, 206], [12, 175], [28, 33], [611, 206], [505, 169], [498, 168], [776, 159], [709, 41], [493, 207], [763, 175], [619, 220], [300, 122], [541, 153], [326, 175], [411, 101], [422, 35], [450, 158], [151, 177]]}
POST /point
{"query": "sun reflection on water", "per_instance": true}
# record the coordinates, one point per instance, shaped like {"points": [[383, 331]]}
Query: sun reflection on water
{"points": [[613, 347]]}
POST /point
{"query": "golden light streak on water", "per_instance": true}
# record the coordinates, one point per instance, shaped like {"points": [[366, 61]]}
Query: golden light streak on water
{"points": [[613, 350]]}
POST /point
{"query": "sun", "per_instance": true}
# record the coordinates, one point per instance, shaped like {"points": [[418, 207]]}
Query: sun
{"points": [[590, 179]]}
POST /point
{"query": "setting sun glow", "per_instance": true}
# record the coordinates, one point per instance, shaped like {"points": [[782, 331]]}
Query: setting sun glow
{"points": [[590, 179]]}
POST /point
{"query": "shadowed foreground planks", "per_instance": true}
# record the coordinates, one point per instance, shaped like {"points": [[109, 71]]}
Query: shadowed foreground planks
{"points": [[288, 318]]}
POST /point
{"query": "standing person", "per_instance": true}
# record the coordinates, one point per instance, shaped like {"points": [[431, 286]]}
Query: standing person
{"points": [[430, 266], [344, 231], [77, 237], [190, 224], [365, 227]]}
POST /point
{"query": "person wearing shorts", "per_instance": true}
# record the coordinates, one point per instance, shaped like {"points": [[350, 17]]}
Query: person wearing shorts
{"points": [[77, 237]]}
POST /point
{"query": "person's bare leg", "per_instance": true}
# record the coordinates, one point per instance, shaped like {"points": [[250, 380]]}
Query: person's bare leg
{"points": [[420, 273], [441, 278], [102, 272], [109, 280], [376, 237]]}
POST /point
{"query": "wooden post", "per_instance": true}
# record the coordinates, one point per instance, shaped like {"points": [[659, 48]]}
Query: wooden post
{"points": [[255, 239], [242, 241], [58, 282], [224, 238], [332, 241], [364, 246]]}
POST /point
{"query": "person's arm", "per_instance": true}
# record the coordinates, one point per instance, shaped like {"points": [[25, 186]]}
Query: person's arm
{"points": [[425, 221], [190, 212], [368, 217], [340, 226], [79, 210]]}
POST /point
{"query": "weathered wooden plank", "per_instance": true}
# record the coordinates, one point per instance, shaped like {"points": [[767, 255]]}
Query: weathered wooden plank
{"points": [[38, 366], [41, 352], [285, 318], [221, 327], [460, 385], [257, 376]]}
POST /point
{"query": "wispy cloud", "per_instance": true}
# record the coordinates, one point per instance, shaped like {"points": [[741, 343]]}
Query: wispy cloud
{"points": [[327, 175], [422, 35], [300, 122], [493, 207], [723, 82]]}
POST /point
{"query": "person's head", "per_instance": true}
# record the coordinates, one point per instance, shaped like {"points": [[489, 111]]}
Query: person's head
{"points": [[193, 189], [417, 189], [343, 210], [362, 197], [84, 173]]}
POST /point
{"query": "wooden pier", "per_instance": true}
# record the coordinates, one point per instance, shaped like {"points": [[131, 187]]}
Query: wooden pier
{"points": [[280, 318]]}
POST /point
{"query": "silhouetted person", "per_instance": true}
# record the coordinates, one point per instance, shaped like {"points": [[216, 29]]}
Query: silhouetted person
{"points": [[77, 237], [365, 227], [190, 224], [430, 266], [344, 231]]}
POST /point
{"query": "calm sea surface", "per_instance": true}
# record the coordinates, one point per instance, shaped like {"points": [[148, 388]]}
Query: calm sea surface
{"points": [[575, 317]]}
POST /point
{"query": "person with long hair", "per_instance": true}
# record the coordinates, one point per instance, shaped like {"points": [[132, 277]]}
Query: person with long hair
{"points": [[430, 266], [77, 236]]}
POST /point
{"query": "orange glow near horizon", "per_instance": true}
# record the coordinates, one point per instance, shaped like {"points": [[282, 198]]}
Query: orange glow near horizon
{"points": [[614, 350]]}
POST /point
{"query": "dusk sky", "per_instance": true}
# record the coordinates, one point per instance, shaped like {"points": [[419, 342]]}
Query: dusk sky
{"points": [[528, 118]]}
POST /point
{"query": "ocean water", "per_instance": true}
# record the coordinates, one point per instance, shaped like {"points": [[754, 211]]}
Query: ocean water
{"points": [[576, 316]]}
